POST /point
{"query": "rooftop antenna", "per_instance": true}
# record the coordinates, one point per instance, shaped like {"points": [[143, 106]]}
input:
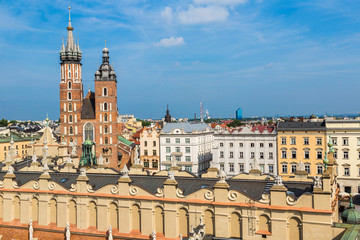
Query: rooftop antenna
{"points": [[105, 43]]}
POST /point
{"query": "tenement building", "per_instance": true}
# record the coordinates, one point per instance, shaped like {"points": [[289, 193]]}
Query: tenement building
{"points": [[345, 136], [57, 201], [150, 149], [187, 144], [93, 117], [240, 150], [300, 142]]}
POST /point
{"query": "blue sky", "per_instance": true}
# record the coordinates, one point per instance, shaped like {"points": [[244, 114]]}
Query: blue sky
{"points": [[268, 57]]}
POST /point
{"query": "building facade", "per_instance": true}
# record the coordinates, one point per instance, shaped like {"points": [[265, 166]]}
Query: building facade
{"points": [[303, 142], [48, 204], [237, 150], [150, 149], [188, 145], [95, 116], [345, 137]]}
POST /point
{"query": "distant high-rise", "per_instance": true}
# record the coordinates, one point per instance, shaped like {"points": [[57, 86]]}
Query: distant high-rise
{"points": [[238, 114]]}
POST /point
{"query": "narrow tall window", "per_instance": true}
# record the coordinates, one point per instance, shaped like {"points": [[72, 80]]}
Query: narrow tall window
{"points": [[106, 129], [89, 131], [69, 85], [105, 92], [70, 119], [106, 141], [70, 107], [105, 118], [105, 106], [69, 95], [71, 131]]}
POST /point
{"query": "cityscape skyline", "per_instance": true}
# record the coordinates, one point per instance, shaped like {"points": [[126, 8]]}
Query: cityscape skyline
{"points": [[264, 50]]}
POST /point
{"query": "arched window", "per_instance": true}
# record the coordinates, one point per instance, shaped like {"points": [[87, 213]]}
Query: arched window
{"points": [[17, 208], [159, 220], [69, 85], [183, 222], [295, 229], [93, 214], [114, 215], [106, 141], [89, 131], [69, 95], [105, 106], [70, 107], [105, 91], [106, 129], [235, 225], [105, 117], [53, 211], [209, 223], [136, 218], [264, 224], [71, 130], [70, 119], [72, 212]]}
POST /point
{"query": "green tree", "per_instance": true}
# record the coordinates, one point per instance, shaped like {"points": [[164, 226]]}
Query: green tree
{"points": [[4, 122], [235, 123], [145, 123]]}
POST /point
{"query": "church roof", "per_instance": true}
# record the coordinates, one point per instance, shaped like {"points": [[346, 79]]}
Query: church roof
{"points": [[88, 109]]}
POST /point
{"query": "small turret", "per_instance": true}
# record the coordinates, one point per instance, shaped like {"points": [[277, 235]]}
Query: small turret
{"points": [[167, 116], [105, 71]]}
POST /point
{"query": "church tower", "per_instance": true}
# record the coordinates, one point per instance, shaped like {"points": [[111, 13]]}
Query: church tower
{"points": [[71, 89], [106, 111]]}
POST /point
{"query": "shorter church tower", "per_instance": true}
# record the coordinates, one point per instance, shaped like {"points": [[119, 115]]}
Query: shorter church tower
{"points": [[106, 111]]}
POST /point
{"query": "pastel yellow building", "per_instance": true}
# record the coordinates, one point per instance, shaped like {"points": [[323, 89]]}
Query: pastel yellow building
{"points": [[22, 145], [150, 149], [303, 142]]}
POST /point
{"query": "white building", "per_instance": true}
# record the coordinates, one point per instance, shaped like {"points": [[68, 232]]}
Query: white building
{"points": [[235, 151], [345, 136], [189, 144]]}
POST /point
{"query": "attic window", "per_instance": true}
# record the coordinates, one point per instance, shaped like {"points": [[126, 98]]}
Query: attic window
{"points": [[64, 180], [204, 186]]}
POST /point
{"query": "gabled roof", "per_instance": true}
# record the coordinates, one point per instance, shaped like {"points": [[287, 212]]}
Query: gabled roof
{"points": [[88, 108]]}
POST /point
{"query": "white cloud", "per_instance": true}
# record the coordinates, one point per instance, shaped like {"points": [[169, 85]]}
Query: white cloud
{"points": [[196, 15], [221, 2], [167, 14], [171, 42]]}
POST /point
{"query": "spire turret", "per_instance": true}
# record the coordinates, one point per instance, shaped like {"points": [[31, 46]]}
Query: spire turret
{"points": [[167, 116], [70, 52], [106, 71]]}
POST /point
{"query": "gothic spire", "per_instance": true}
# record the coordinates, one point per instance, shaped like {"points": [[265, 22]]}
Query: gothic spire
{"points": [[167, 116], [71, 51]]}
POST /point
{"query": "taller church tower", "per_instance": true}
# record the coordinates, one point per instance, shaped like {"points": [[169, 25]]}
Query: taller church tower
{"points": [[71, 89]]}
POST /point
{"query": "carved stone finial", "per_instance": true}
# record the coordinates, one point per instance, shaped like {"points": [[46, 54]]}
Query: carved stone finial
{"points": [[171, 175], [31, 230], [201, 221], [46, 169], [278, 181], [67, 234], [101, 160], [10, 170], [153, 235], [69, 160], [222, 176], [301, 166], [125, 171], [82, 172], [34, 157], [110, 236], [317, 182], [136, 157]]}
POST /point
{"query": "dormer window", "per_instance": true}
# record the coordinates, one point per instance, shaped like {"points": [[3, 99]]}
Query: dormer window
{"points": [[105, 91]]}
